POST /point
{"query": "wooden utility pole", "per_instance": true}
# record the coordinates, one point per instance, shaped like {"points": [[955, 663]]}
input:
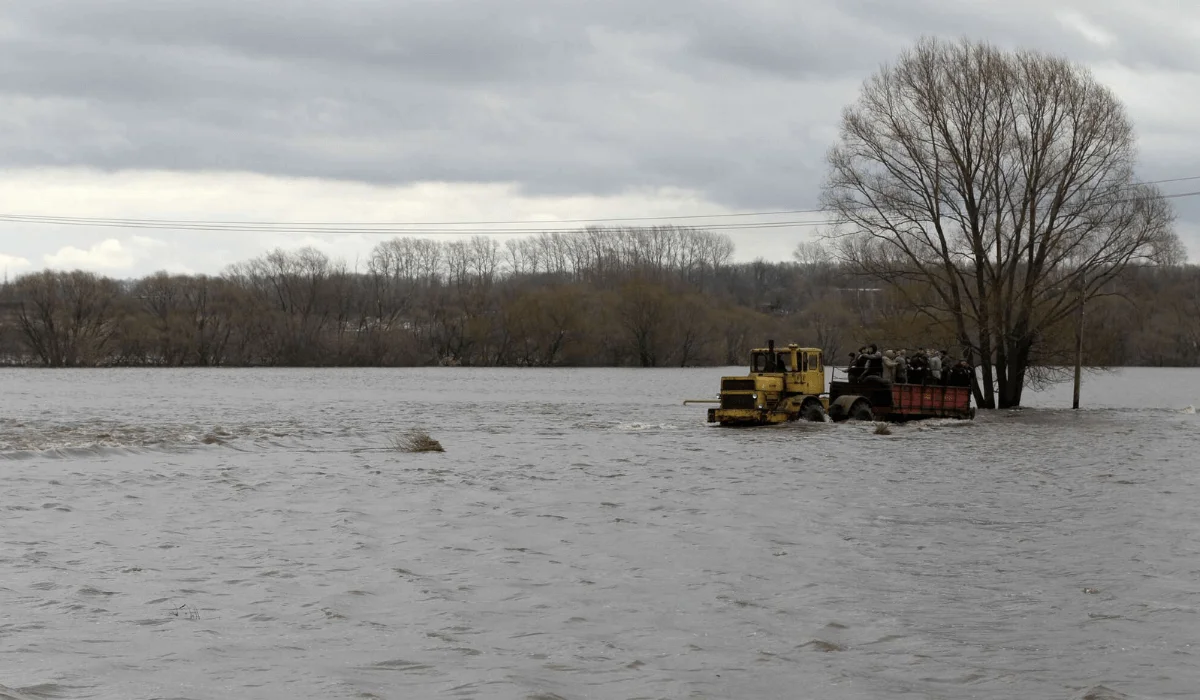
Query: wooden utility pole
{"points": [[1078, 349]]}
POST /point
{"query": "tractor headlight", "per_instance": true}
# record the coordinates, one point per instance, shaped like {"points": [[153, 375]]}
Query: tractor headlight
{"points": [[754, 396]]}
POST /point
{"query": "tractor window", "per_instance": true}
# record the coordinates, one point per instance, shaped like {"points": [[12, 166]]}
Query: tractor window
{"points": [[785, 361], [814, 360], [803, 357], [758, 362]]}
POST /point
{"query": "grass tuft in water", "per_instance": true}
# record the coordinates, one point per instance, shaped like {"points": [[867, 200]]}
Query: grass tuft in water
{"points": [[416, 440], [883, 429]]}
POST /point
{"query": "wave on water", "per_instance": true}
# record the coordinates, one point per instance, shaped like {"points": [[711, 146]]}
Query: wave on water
{"points": [[34, 692], [936, 423], [638, 427], [28, 439]]}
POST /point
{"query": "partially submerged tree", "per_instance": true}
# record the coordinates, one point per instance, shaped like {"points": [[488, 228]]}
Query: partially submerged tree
{"points": [[996, 190], [66, 319]]}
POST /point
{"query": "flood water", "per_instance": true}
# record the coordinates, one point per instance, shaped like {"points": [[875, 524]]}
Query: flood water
{"points": [[237, 533]]}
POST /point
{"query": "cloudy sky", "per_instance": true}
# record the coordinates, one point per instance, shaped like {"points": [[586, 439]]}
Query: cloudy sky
{"points": [[536, 111]]}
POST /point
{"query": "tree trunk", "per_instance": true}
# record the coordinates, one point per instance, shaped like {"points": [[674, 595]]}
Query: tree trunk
{"points": [[1018, 363]]}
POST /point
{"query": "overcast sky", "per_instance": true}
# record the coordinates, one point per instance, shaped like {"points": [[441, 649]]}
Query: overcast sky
{"points": [[482, 110]]}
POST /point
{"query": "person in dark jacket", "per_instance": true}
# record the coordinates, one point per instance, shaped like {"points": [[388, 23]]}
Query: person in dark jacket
{"points": [[858, 364], [874, 361], [918, 368], [960, 374]]}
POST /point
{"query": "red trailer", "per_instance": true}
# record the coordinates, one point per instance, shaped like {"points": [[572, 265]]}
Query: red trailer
{"points": [[871, 398]]}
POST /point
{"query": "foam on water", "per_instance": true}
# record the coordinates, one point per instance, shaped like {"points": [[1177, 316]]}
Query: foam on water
{"points": [[596, 541]]}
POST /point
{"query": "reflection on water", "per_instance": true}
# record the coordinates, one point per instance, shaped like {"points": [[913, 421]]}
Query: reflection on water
{"points": [[251, 533]]}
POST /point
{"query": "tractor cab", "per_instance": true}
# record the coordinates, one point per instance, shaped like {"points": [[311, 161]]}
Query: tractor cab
{"points": [[794, 360]]}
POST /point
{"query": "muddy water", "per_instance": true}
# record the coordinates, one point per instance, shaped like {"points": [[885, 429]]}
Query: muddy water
{"points": [[253, 534]]}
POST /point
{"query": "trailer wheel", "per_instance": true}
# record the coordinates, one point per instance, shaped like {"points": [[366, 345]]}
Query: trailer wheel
{"points": [[813, 412], [861, 411], [840, 409]]}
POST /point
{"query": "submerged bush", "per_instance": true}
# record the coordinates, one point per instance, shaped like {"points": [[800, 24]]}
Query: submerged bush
{"points": [[416, 440], [883, 429]]}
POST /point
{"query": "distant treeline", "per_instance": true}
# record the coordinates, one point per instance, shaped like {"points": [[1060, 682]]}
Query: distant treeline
{"points": [[650, 297]]}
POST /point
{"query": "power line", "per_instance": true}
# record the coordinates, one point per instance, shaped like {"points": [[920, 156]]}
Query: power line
{"points": [[346, 231], [427, 228], [342, 225], [1178, 194]]}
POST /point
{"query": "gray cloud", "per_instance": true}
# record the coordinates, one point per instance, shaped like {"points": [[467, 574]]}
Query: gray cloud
{"points": [[469, 40], [734, 99]]}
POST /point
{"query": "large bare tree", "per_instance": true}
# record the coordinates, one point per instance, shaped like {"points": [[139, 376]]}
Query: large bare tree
{"points": [[996, 190]]}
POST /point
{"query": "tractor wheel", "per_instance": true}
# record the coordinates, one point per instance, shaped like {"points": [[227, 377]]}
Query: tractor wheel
{"points": [[813, 412], [861, 411]]}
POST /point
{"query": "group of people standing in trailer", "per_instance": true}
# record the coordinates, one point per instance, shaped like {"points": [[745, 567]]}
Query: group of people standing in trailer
{"points": [[899, 367]]}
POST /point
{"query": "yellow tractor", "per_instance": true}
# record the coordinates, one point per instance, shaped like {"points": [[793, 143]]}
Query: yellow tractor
{"points": [[783, 385]]}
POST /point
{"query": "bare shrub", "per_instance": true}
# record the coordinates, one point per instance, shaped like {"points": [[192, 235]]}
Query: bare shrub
{"points": [[416, 440]]}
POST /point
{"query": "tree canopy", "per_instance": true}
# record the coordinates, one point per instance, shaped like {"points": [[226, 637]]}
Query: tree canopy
{"points": [[996, 192], [562, 300]]}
